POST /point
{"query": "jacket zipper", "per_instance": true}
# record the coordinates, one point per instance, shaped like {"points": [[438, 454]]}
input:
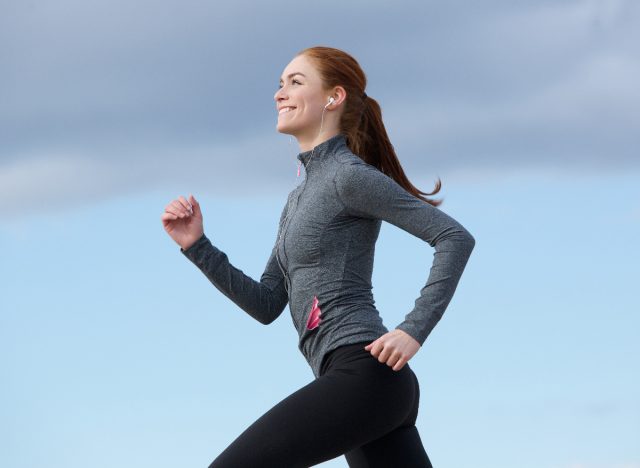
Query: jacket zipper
{"points": [[281, 238]]}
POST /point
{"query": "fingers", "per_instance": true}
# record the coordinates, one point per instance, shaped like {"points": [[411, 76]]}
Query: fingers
{"points": [[168, 216], [383, 355], [374, 348], [176, 208], [396, 361], [195, 205], [388, 355], [398, 364], [180, 207], [185, 204]]}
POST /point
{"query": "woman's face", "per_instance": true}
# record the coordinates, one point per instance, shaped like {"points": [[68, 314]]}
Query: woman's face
{"points": [[300, 99]]}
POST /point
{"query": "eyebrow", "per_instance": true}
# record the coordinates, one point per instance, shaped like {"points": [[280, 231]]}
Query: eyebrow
{"points": [[295, 73]]}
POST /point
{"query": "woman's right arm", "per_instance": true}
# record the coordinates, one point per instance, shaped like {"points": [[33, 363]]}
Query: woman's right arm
{"points": [[263, 300]]}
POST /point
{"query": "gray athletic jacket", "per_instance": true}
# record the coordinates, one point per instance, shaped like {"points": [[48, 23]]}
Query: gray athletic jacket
{"points": [[322, 261]]}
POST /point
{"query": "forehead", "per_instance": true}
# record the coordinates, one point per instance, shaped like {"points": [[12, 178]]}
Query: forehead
{"points": [[298, 64]]}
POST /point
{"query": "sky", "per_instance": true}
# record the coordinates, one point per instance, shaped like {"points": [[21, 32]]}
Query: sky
{"points": [[117, 351]]}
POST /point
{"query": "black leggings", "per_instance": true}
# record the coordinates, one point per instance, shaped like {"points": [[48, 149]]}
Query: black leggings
{"points": [[358, 407]]}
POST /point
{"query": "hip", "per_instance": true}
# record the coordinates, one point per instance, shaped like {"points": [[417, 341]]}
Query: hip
{"points": [[353, 359]]}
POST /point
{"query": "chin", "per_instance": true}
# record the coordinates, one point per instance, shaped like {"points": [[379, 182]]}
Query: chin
{"points": [[286, 130], [281, 130]]}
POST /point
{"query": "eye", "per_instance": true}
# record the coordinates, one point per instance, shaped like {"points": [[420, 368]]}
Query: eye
{"points": [[294, 81]]}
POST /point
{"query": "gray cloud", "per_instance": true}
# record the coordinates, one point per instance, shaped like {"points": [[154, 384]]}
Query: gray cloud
{"points": [[104, 98]]}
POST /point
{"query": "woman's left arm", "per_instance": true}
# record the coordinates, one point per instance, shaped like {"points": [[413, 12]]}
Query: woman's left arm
{"points": [[367, 192]]}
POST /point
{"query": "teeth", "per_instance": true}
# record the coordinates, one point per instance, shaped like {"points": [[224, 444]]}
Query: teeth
{"points": [[285, 109]]}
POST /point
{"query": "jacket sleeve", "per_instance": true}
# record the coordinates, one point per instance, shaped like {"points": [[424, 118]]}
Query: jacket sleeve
{"points": [[367, 192], [264, 300]]}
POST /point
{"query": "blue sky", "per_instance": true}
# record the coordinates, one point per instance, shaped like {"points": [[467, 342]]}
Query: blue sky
{"points": [[115, 350]]}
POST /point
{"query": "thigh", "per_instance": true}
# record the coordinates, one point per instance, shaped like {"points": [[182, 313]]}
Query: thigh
{"points": [[356, 401], [400, 447]]}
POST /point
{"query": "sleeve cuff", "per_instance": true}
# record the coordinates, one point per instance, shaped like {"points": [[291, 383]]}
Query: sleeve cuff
{"points": [[411, 331], [203, 240]]}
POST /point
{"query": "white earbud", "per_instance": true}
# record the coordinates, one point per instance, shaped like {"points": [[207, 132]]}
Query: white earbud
{"points": [[331, 100]]}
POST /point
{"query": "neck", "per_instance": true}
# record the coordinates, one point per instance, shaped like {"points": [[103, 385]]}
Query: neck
{"points": [[313, 156], [308, 143]]}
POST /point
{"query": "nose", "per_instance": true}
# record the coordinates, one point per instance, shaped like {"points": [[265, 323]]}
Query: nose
{"points": [[278, 95]]}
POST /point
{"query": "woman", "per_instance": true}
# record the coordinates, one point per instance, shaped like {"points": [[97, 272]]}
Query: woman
{"points": [[364, 400]]}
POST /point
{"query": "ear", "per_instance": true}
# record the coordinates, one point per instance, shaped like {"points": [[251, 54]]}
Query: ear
{"points": [[339, 95]]}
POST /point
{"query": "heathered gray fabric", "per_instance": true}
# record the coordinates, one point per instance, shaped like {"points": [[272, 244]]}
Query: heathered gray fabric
{"points": [[325, 243]]}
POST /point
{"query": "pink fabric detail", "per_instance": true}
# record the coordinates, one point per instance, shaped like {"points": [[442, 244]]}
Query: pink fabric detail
{"points": [[314, 316]]}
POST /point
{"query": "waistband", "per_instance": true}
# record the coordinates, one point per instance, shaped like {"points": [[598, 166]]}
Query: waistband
{"points": [[342, 352]]}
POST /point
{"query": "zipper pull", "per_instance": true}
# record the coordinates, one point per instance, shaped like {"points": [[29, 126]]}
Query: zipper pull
{"points": [[299, 163]]}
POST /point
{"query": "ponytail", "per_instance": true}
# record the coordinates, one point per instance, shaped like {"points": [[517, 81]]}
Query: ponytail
{"points": [[361, 119]]}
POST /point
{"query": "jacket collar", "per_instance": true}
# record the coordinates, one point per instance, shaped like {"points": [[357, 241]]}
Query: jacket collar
{"points": [[321, 150]]}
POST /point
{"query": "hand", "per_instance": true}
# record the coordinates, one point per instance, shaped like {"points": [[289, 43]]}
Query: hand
{"points": [[182, 220], [394, 348]]}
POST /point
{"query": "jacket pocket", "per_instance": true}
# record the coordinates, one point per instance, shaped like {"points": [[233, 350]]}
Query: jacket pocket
{"points": [[314, 315]]}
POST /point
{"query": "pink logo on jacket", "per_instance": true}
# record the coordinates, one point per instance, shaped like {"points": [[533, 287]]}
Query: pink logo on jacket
{"points": [[314, 315]]}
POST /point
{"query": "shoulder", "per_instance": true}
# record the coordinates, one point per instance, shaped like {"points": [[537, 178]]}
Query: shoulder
{"points": [[356, 178], [347, 158], [353, 172]]}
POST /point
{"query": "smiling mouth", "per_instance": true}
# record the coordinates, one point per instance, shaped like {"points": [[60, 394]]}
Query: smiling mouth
{"points": [[286, 110]]}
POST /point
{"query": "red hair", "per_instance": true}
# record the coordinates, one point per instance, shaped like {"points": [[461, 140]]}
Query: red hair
{"points": [[361, 119]]}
